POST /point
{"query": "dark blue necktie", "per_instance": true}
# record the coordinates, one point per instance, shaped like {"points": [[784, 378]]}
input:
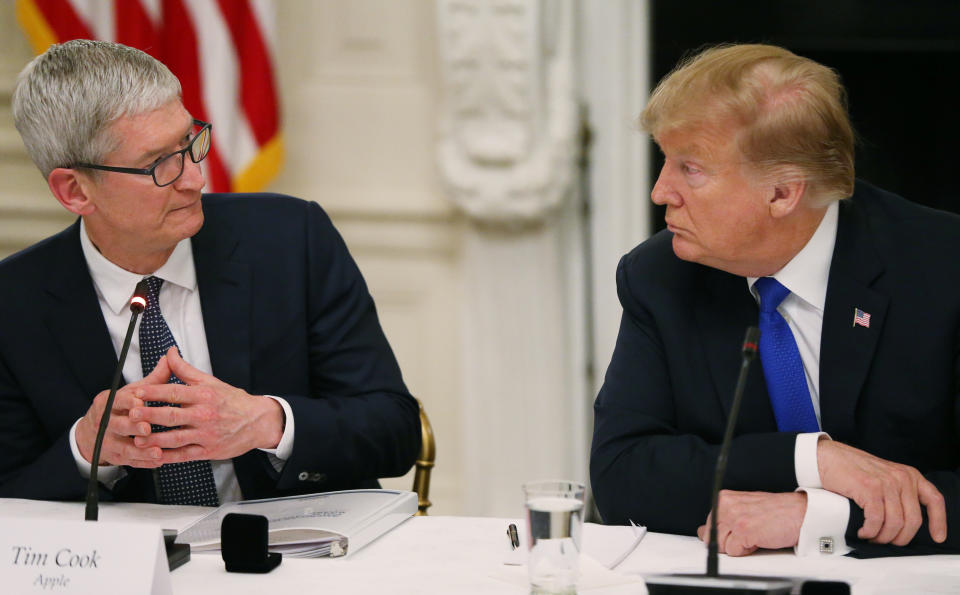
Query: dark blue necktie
{"points": [[782, 366], [177, 483]]}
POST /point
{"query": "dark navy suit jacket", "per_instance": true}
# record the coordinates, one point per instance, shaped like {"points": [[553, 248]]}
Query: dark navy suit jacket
{"points": [[286, 313], [890, 389]]}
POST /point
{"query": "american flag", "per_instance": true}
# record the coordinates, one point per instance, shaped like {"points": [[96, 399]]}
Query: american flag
{"points": [[861, 318], [222, 52]]}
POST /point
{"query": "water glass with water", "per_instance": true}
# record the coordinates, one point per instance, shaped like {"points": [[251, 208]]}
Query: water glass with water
{"points": [[555, 525]]}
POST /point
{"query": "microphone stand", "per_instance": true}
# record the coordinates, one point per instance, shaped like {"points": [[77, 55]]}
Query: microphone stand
{"points": [[712, 581], [177, 553], [749, 352], [137, 305]]}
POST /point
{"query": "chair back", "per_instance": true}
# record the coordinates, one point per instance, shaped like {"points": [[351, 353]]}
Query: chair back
{"points": [[424, 464]]}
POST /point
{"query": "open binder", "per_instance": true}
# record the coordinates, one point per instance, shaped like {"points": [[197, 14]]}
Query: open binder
{"points": [[312, 525]]}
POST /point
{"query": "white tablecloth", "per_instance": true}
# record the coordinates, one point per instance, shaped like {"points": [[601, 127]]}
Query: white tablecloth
{"points": [[463, 555]]}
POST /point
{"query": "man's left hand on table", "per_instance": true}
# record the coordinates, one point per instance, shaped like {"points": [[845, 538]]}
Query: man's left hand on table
{"points": [[750, 521]]}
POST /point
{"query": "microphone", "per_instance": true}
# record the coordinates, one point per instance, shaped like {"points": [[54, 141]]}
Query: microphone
{"points": [[138, 304], [712, 581], [178, 554]]}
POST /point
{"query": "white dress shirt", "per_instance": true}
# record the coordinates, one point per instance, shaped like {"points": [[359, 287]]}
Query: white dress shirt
{"points": [[806, 277], [180, 304]]}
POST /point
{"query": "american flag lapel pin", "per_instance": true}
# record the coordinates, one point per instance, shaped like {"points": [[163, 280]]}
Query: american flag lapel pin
{"points": [[861, 318]]}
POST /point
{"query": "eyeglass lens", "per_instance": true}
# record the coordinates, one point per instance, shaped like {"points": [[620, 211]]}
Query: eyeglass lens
{"points": [[168, 170]]}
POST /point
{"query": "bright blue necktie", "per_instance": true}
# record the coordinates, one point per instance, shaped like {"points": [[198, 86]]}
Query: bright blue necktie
{"points": [[191, 482], [782, 366]]}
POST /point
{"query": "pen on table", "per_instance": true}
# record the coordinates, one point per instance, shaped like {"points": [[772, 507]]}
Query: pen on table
{"points": [[514, 536]]}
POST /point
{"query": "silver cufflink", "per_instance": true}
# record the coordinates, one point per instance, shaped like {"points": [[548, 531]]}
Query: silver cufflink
{"points": [[826, 545]]}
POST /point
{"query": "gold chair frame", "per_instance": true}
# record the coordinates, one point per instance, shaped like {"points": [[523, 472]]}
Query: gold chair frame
{"points": [[424, 464]]}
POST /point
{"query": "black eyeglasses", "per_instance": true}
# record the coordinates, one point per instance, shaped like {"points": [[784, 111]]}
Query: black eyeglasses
{"points": [[169, 168]]}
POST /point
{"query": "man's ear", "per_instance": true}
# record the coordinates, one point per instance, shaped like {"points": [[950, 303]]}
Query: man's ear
{"points": [[787, 196], [71, 190]]}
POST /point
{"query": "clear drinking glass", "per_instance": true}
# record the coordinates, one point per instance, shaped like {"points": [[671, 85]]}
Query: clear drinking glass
{"points": [[555, 524]]}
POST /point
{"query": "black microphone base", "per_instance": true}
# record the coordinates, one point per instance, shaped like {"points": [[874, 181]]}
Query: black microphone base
{"points": [[676, 584], [178, 554]]}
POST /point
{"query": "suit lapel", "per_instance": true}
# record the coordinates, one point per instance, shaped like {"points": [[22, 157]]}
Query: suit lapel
{"points": [[724, 309], [225, 298], [74, 318], [846, 348]]}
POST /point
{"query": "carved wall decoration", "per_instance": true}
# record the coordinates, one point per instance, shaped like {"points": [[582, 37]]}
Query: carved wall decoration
{"points": [[508, 114]]}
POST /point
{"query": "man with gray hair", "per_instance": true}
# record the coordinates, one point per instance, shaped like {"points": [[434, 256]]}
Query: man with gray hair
{"points": [[849, 433], [259, 329]]}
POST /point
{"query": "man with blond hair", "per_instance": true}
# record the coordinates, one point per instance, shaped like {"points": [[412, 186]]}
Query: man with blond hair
{"points": [[849, 435], [259, 328]]}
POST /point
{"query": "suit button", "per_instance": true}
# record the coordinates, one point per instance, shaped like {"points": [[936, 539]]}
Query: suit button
{"points": [[314, 477]]}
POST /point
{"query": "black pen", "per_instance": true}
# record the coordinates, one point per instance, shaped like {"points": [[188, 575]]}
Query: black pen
{"points": [[514, 536]]}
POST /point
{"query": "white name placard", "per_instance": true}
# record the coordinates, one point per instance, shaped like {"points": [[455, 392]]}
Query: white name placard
{"points": [[74, 557]]}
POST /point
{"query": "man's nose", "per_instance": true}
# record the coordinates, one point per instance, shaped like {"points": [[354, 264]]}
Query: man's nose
{"points": [[663, 192], [192, 176]]}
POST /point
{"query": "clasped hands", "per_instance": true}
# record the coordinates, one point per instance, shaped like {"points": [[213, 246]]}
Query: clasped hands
{"points": [[890, 494], [214, 420]]}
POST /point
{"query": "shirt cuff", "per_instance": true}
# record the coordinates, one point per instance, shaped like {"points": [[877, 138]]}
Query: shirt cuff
{"points": [[106, 474], [805, 459], [284, 449], [824, 524]]}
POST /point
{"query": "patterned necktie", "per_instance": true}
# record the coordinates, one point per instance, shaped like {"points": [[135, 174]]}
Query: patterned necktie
{"points": [[782, 366], [178, 483]]}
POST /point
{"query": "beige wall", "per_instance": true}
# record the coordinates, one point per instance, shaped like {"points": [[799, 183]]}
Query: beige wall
{"points": [[27, 210], [358, 86]]}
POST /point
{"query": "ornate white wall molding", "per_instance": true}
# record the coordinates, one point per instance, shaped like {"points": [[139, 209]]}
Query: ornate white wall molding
{"points": [[507, 149], [508, 114]]}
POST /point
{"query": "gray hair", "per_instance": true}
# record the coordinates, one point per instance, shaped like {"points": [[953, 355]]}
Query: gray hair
{"points": [[67, 97]]}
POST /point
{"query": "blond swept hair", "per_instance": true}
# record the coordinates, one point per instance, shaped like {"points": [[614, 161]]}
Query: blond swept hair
{"points": [[790, 113]]}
